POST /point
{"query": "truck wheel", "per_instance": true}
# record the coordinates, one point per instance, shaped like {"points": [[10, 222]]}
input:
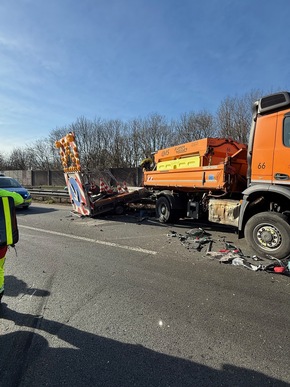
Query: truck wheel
{"points": [[268, 233], [164, 212]]}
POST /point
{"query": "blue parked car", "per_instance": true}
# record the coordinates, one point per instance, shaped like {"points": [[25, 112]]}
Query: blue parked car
{"points": [[13, 185]]}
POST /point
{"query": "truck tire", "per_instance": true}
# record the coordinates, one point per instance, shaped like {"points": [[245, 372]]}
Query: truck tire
{"points": [[268, 233], [164, 212]]}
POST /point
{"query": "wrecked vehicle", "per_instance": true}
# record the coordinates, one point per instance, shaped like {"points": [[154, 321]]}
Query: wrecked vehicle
{"points": [[87, 198]]}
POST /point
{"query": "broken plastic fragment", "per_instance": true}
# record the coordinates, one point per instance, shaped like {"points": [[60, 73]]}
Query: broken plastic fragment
{"points": [[242, 262], [238, 261], [197, 233]]}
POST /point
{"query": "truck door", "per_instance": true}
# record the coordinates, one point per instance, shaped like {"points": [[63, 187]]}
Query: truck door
{"points": [[281, 165], [263, 149]]}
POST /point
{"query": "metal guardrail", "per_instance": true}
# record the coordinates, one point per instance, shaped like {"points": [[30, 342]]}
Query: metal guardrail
{"points": [[61, 196], [48, 192]]}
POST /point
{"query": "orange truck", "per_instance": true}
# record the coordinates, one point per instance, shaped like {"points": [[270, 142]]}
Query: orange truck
{"points": [[245, 186]]}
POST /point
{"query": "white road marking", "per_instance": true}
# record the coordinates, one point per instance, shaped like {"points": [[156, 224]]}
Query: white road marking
{"points": [[112, 244]]}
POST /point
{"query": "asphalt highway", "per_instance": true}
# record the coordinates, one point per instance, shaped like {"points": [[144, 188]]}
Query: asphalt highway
{"points": [[124, 301]]}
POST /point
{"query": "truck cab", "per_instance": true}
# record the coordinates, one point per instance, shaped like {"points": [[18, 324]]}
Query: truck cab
{"points": [[265, 209], [269, 146]]}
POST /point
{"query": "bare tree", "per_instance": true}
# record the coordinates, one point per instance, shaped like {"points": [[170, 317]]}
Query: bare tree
{"points": [[193, 126], [226, 117], [89, 139], [18, 159], [155, 133], [114, 143], [234, 116], [39, 155], [2, 163], [84, 131], [134, 152]]}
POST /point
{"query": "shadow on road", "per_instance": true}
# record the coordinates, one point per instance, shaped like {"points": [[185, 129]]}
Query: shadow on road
{"points": [[34, 210], [150, 219], [79, 358], [16, 287], [138, 216]]}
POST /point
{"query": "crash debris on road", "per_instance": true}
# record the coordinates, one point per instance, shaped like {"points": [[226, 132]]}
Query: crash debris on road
{"points": [[201, 241]]}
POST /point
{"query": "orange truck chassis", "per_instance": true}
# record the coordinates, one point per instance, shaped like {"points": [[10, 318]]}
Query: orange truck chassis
{"points": [[245, 186]]}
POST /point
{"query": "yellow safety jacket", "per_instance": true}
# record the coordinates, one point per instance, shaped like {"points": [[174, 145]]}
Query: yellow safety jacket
{"points": [[8, 223]]}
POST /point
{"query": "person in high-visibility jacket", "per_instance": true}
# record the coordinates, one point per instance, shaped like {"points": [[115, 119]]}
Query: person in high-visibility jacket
{"points": [[18, 199]]}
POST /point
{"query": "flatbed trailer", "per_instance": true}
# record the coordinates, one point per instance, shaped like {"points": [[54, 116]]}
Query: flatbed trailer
{"points": [[116, 202], [85, 201]]}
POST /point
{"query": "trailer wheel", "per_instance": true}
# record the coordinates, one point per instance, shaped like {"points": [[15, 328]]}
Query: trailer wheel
{"points": [[164, 212], [119, 209], [268, 233]]}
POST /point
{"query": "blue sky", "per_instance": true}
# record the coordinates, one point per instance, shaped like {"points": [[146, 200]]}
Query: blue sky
{"points": [[62, 59]]}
